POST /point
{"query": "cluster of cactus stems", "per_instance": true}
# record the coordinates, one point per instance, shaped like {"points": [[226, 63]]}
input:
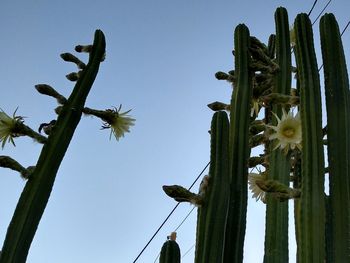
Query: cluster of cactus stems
{"points": [[40, 178], [292, 165]]}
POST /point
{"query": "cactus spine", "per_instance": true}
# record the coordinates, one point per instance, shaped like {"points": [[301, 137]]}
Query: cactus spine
{"points": [[338, 136], [239, 149], [37, 190], [276, 231], [312, 202]]}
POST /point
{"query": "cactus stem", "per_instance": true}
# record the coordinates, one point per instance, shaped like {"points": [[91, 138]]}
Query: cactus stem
{"points": [[181, 194], [50, 91], [71, 58], [8, 162]]}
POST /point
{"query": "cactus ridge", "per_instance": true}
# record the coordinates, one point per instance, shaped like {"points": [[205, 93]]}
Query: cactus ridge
{"points": [[276, 231], [312, 203], [338, 129], [212, 213], [239, 150]]}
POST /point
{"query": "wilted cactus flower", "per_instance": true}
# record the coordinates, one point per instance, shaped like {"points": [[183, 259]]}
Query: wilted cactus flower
{"points": [[287, 131], [257, 192], [255, 108], [7, 127], [118, 122]]}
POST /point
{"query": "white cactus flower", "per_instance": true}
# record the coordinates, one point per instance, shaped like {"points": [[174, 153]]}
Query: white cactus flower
{"points": [[119, 124], [7, 126], [257, 192], [287, 131]]}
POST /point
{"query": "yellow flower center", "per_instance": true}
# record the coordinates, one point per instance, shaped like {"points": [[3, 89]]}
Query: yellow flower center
{"points": [[288, 132]]}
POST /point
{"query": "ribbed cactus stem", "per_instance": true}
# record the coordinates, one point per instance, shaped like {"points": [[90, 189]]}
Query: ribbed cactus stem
{"points": [[276, 231], [212, 212], [170, 252], [312, 203], [338, 137], [239, 148], [35, 195]]}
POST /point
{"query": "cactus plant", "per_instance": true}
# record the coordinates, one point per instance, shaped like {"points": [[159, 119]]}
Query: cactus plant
{"points": [[170, 252], [36, 193], [337, 104], [276, 231], [293, 143], [40, 178]]}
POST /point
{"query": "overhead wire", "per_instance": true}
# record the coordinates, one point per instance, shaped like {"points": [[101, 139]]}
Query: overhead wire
{"points": [[171, 212], [324, 8], [312, 8], [341, 34]]}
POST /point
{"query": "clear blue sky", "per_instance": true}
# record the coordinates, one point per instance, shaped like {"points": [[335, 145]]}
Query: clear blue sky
{"points": [[161, 59]]}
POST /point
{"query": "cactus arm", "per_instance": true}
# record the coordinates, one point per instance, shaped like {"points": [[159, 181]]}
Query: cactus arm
{"points": [[338, 135], [276, 231], [37, 190], [312, 203], [213, 210], [170, 252], [239, 148]]}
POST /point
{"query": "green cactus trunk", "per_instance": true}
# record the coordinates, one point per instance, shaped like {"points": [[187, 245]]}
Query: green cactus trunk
{"points": [[212, 213], [170, 252], [276, 231], [312, 203], [239, 148], [338, 137], [35, 195]]}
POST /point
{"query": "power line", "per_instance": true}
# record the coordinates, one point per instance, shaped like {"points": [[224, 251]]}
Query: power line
{"points": [[345, 28], [312, 8], [179, 227], [188, 251], [184, 219], [166, 219], [321, 12]]}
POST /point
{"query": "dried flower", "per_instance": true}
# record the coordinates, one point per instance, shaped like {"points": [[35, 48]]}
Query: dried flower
{"points": [[255, 108], [287, 131]]}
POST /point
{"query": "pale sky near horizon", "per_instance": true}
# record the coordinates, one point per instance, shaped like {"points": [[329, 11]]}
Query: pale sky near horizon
{"points": [[161, 58]]}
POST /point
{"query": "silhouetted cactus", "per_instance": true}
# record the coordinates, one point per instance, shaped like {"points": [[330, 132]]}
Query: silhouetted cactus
{"points": [[170, 252], [293, 145], [40, 178]]}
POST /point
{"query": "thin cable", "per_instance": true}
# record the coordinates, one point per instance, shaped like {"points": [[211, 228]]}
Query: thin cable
{"points": [[345, 28], [183, 221], [312, 8], [321, 12], [188, 251], [156, 258], [166, 219], [178, 228]]}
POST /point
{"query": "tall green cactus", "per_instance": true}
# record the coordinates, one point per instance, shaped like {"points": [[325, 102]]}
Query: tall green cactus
{"points": [[239, 150], [212, 213], [212, 199], [37, 190], [312, 202], [338, 137], [276, 231]]}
